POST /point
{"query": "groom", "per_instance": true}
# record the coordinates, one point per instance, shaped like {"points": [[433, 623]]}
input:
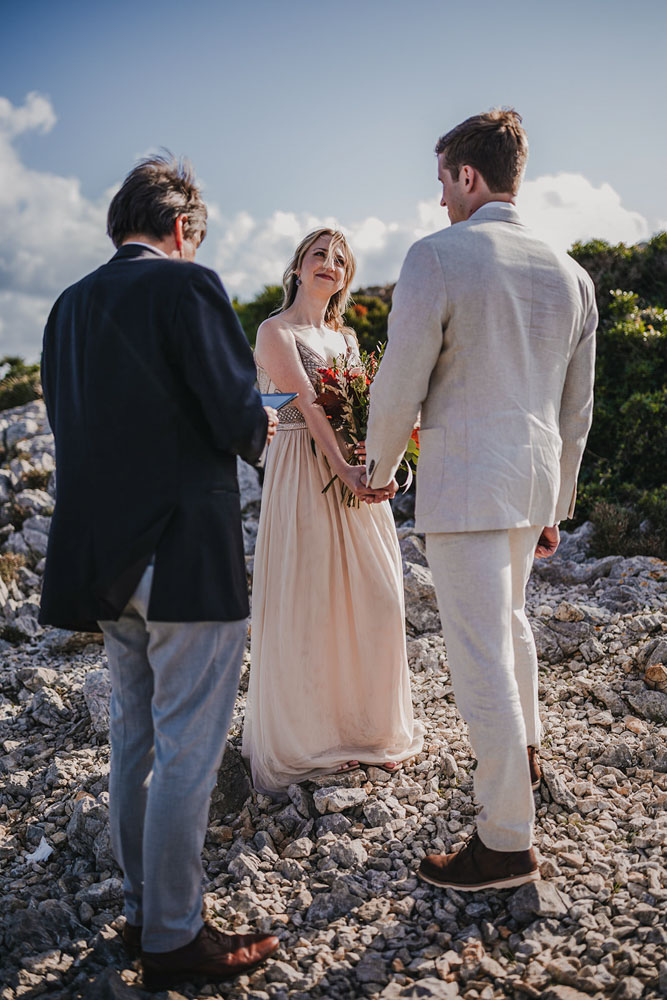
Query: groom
{"points": [[149, 386], [492, 337]]}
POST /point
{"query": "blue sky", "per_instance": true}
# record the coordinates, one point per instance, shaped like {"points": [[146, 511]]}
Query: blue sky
{"points": [[297, 112]]}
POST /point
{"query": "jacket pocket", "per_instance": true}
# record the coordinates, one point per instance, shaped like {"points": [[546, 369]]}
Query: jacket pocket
{"points": [[430, 470]]}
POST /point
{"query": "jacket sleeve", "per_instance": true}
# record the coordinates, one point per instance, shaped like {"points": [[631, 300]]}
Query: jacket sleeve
{"points": [[218, 366], [576, 408], [415, 341]]}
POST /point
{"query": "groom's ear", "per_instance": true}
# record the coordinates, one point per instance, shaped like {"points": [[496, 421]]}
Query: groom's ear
{"points": [[468, 175]]}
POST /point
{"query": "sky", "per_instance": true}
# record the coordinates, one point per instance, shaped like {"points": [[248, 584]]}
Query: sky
{"points": [[297, 114]]}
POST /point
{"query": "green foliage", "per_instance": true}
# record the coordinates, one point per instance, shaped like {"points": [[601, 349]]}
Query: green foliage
{"points": [[252, 314], [368, 318], [622, 481], [636, 524], [20, 383], [642, 268], [631, 361]]}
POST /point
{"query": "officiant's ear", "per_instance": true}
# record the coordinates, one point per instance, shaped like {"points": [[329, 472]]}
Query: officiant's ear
{"points": [[178, 231]]}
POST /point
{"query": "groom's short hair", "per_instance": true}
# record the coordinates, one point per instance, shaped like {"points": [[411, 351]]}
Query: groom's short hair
{"points": [[152, 196], [494, 143]]}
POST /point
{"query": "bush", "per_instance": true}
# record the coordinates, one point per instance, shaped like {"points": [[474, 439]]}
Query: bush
{"points": [[10, 564], [252, 314], [635, 526], [642, 268], [20, 384], [622, 481], [368, 318]]}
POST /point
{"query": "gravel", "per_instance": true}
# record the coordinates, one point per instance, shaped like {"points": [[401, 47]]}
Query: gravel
{"points": [[331, 870]]}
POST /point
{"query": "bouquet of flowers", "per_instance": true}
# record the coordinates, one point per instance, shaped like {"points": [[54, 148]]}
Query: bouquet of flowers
{"points": [[343, 391]]}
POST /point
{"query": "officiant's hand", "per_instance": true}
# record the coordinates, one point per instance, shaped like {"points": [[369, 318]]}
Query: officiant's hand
{"points": [[548, 542], [274, 420]]}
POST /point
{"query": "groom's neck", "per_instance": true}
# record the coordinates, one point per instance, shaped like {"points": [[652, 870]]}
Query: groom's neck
{"points": [[484, 197]]}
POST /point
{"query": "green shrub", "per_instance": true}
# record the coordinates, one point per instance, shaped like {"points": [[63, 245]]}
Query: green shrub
{"points": [[252, 314], [642, 455], [622, 481], [642, 268], [368, 318], [633, 526], [20, 384]]}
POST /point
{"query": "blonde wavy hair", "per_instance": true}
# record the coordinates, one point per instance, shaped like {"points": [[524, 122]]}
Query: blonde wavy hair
{"points": [[339, 302]]}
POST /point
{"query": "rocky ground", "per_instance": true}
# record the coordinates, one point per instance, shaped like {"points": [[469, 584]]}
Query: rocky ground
{"points": [[332, 871]]}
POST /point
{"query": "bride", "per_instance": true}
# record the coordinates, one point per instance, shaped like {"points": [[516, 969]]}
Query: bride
{"points": [[329, 684]]}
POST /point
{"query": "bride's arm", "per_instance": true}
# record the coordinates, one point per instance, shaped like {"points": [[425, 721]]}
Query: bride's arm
{"points": [[277, 353]]}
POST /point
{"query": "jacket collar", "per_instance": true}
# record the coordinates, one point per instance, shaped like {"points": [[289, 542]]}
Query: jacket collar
{"points": [[130, 250], [497, 211]]}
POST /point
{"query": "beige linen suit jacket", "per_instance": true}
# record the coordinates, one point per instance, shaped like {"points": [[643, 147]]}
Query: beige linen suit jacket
{"points": [[492, 336]]}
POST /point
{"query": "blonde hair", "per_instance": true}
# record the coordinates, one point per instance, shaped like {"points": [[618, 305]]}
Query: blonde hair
{"points": [[338, 302]]}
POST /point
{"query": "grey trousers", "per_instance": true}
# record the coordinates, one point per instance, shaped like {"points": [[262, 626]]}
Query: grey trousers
{"points": [[173, 692], [480, 579]]}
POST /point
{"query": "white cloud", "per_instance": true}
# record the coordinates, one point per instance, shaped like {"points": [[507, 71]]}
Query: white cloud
{"points": [[52, 234], [36, 113], [567, 207], [561, 209]]}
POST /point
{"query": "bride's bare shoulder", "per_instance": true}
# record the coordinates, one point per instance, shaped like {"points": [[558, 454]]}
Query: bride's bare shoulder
{"points": [[274, 334]]}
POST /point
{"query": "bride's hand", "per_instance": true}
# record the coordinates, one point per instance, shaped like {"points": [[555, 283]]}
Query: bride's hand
{"points": [[384, 493], [360, 451], [273, 421], [354, 477]]}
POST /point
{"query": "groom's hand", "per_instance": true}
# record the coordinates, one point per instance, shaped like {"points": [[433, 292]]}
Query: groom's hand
{"points": [[380, 494], [547, 543]]}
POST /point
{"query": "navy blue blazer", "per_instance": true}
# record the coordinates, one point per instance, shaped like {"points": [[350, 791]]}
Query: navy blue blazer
{"points": [[149, 384]]}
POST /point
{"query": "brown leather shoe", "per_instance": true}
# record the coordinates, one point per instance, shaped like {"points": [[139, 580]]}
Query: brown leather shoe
{"points": [[477, 867], [211, 957], [534, 765], [131, 935]]}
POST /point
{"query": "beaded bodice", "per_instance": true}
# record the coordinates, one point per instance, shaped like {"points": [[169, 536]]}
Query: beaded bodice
{"points": [[290, 416]]}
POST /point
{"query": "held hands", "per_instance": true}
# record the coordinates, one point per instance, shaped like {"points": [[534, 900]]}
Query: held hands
{"points": [[274, 420], [354, 477], [548, 542]]}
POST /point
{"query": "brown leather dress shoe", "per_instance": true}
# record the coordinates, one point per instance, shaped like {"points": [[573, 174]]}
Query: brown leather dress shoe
{"points": [[477, 867], [131, 935], [211, 957], [535, 769]]}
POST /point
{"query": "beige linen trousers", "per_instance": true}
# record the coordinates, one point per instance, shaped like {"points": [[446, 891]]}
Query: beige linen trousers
{"points": [[492, 340]]}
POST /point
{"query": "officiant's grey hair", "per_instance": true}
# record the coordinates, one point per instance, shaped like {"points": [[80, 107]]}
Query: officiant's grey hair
{"points": [[152, 196]]}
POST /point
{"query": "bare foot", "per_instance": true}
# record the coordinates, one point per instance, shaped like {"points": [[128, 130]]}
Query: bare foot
{"points": [[349, 765]]}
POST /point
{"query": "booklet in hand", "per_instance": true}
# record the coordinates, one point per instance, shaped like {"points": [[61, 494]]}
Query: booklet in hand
{"points": [[278, 399]]}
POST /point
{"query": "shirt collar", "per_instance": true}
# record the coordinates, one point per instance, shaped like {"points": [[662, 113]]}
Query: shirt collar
{"points": [[138, 243]]}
